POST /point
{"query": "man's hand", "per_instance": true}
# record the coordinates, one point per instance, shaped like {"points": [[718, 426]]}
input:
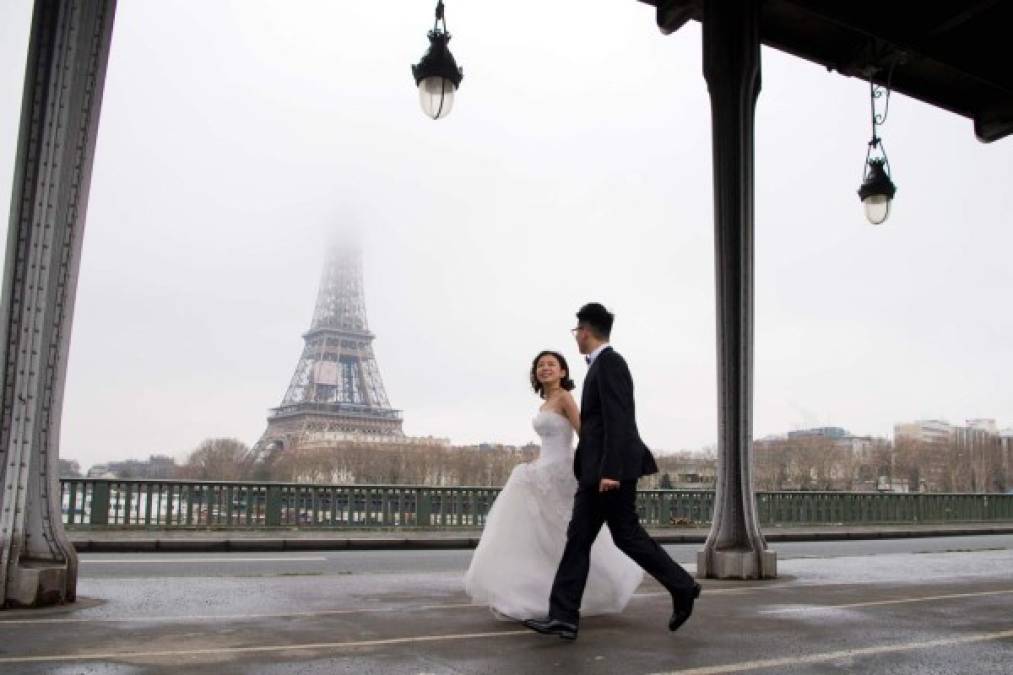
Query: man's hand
{"points": [[607, 484]]}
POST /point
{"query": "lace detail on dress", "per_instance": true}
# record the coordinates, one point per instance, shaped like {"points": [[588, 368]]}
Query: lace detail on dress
{"points": [[551, 475], [549, 496]]}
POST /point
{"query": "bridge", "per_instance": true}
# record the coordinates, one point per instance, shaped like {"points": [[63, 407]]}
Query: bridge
{"points": [[179, 504], [947, 60], [929, 604]]}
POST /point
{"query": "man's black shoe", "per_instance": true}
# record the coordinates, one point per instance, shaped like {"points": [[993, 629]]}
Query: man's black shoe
{"points": [[683, 609], [567, 631]]}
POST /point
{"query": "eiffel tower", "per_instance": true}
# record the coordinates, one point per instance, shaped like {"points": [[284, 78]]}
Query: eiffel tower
{"points": [[336, 393]]}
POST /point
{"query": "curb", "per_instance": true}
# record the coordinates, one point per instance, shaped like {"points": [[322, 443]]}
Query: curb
{"points": [[255, 545], [260, 544]]}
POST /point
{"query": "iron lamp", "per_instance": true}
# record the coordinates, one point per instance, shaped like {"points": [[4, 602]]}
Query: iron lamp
{"points": [[877, 191], [437, 74]]}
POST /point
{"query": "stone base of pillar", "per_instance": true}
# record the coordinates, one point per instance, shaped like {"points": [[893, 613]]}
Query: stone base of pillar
{"points": [[35, 584], [736, 565]]}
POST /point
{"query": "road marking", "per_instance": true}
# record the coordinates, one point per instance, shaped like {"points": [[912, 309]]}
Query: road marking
{"points": [[323, 612], [462, 605], [705, 670], [174, 653], [823, 657], [898, 601], [713, 591], [233, 617], [149, 561]]}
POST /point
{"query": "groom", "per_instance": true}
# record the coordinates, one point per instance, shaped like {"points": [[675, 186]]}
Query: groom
{"points": [[610, 457]]}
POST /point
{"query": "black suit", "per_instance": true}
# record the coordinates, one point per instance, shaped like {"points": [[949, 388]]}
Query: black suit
{"points": [[609, 447]]}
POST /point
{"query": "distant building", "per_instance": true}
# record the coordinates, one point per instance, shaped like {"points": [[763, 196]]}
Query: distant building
{"points": [[840, 439], [984, 424], [820, 458], [503, 447], [155, 467], [685, 471], [887, 484], [861, 447], [161, 466], [820, 432], [955, 458], [100, 471], [1006, 447], [340, 439], [979, 455], [837, 438], [923, 431]]}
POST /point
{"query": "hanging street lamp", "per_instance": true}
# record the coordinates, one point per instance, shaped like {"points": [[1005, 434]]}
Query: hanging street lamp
{"points": [[877, 188], [437, 75], [877, 191]]}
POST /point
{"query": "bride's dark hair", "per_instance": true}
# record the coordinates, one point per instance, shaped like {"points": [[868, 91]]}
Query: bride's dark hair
{"points": [[566, 383]]}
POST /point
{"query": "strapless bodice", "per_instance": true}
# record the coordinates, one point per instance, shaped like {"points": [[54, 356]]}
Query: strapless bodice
{"points": [[556, 435]]}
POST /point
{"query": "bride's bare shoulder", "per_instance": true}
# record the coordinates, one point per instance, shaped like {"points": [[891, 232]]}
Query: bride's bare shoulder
{"points": [[570, 410], [556, 401]]}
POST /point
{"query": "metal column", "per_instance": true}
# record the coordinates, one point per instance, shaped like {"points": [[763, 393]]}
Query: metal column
{"points": [[67, 58], [735, 548]]}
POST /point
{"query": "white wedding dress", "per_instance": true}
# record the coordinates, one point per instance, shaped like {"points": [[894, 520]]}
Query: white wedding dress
{"points": [[516, 559]]}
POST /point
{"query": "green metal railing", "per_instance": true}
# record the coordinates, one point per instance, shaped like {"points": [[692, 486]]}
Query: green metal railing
{"points": [[201, 504]]}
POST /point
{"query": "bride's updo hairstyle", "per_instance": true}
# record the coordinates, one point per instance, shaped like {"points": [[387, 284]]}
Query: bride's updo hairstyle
{"points": [[566, 383]]}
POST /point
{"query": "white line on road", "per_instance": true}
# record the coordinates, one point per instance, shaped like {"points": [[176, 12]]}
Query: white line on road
{"points": [[261, 649], [823, 657], [445, 606], [180, 561], [874, 603], [712, 591], [323, 612], [239, 617]]}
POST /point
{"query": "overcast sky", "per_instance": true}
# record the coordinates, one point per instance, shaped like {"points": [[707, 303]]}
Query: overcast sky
{"points": [[575, 166]]}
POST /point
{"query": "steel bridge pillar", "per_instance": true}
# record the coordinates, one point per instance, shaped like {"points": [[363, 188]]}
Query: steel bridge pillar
{"points": [[64, 78], [735, 548]]}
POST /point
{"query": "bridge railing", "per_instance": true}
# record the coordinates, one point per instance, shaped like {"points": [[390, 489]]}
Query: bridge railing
{"points": [[118, 503]]}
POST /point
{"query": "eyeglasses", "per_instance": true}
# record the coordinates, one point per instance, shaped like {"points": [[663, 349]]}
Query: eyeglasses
{"points": [[573, 331]]}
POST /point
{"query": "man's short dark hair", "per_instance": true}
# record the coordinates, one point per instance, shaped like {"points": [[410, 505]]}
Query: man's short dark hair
{"points": [[597, 319]]}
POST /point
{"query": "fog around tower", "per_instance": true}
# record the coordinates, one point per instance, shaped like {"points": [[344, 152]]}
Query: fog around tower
{"points": [[236, 138]]}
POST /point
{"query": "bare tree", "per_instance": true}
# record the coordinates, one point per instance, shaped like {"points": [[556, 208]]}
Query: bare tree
{"points": [[399, 464], [219, 459]]}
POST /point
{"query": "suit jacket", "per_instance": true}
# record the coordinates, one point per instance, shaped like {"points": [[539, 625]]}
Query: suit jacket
{"points": [[609, 445]]}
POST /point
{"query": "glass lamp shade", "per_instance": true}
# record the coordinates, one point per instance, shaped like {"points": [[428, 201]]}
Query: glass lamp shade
{"points": [[437, 76], [877, 191], [877, 208], [436, 95]]}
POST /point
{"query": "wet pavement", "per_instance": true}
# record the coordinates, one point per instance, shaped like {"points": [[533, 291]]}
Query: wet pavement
{"points": [[906, 606], [177, 540]]}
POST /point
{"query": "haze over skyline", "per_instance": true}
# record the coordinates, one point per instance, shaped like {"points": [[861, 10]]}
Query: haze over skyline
{"points": [[575, 166]]}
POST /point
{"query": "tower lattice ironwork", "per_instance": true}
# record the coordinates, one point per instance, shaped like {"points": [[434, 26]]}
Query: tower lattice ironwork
{"points": [[336, 393]]}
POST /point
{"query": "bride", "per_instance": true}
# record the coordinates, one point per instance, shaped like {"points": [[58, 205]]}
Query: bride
{"points": [[525, 530]]}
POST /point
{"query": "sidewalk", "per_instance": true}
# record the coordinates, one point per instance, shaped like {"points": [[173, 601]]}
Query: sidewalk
{"points": [[95, 540]]}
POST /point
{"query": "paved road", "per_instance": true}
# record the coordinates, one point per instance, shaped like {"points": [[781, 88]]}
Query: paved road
{"points": [[906, 606], [456, 561]]}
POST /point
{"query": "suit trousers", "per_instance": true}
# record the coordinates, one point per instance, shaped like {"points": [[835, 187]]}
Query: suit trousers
{"points": [[618, 509]]}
